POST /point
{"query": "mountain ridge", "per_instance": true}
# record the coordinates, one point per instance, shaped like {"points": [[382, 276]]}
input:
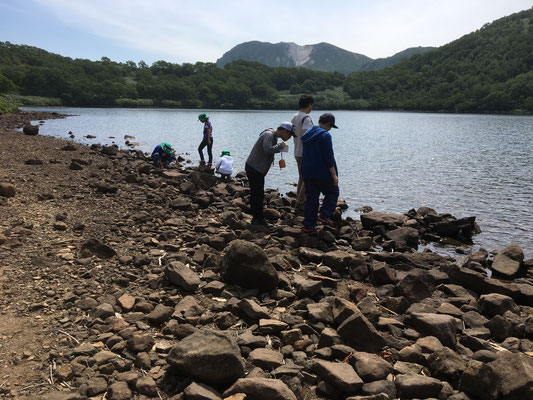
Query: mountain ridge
{"points": [[321, 56]]}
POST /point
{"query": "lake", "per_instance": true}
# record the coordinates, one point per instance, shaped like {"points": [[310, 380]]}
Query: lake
{"points": [[465, 165]]}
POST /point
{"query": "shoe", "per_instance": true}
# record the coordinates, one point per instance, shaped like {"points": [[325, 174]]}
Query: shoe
{"points": [[325, 220], [306, 229], [202, 162], [260, 222]]}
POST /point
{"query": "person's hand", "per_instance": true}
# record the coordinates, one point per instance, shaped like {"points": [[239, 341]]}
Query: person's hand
{"points": [[283, 145], [335, 181]]}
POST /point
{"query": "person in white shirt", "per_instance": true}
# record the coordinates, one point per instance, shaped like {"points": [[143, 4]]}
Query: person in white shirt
{"points": [[301, 122], [224, 165]]}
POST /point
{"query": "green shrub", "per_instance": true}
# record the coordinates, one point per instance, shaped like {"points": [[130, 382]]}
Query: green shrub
{"points": [[7, 105]]}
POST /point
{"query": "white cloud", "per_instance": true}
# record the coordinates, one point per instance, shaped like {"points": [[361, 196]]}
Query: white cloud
{"points": [[189, 31]]}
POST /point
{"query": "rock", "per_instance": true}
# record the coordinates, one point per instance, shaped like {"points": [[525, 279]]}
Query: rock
{"points": [[246, 264], [340, 375], [139, 342], [362, 243], [30, 129], [494, 304], [94, 246], [405, 238], [104, 311], [515, 371], [64, 372], [160, 314], [480, 378], [415, 287], [460, 229], [360, 334], [7, 190], [269, 326], [96, 386], [371, 367], [146, 385], [119, 391], [447, 364], [126, 301], [182, 276], [33, 161], [105, 187], [373, 218], [261, 389], [60, 226], [203, 180], [265, 359], [340, 260], [210, 356], [199, 391], [441, 326], [253, 310], [508, 261], [75, 166], [417, 386]]}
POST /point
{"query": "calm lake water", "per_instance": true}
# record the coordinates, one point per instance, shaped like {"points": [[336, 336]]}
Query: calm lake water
{"points": [[466, 165]]}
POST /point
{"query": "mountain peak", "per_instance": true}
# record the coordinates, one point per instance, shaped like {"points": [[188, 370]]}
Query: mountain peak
{"points": [[320, 56]]}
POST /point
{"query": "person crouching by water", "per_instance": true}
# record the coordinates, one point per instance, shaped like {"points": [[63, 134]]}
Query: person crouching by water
{"points": [[163, 155], [224, 166], [258, 163], [207, 140], [319, 171]]}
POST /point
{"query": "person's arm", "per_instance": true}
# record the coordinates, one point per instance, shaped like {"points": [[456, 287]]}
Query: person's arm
{"points": [[209, 130], [307, 124], [329, 157], [268, 147], [217, 166]]}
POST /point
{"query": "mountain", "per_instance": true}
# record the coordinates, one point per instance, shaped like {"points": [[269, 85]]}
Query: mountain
{"points": [[321, 56], [489, 70]]}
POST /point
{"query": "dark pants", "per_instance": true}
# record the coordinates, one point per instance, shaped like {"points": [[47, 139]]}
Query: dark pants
{"points": [[313, 188], [256, 181], [209, 152]]}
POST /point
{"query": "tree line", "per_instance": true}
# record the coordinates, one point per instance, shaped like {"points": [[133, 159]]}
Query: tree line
{"points": [[490, 70]]}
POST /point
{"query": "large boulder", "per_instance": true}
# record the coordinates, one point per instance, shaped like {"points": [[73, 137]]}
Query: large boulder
{"points": [[358, 332], [261, 389], [494, 304], [479, 378], [373, 218], [181, 275], [443, 327], [340, 375], [508, 261], [405, 237], [246, 264], [209, 356], [515, 371], [203, 180], [7, 190], [417, 386], [30, 129]]}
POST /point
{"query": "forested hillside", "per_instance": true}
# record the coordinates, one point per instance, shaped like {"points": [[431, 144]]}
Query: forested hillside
{"points": [[78, 82], [490, 70]]}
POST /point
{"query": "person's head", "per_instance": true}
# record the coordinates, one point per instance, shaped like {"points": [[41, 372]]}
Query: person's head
{"points": [[285, 131], [306, 102], [225, 153], [327, 121], [203, 117], [167, 148]]}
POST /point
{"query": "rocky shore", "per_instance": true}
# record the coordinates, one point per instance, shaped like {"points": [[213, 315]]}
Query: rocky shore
{"points": [[118, 281]]}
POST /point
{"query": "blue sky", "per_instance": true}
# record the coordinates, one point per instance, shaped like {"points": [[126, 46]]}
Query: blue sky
{"points": [[188, 31]]}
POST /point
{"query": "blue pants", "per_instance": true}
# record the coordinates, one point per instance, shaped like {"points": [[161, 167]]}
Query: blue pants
{"points": [[313, 188]]}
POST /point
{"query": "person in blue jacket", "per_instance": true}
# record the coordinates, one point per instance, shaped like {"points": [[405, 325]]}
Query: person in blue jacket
{"points": [[162, 155], [319, 171]]}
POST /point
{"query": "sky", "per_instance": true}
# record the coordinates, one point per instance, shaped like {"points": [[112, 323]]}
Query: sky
{"points": [[181, 31]]}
